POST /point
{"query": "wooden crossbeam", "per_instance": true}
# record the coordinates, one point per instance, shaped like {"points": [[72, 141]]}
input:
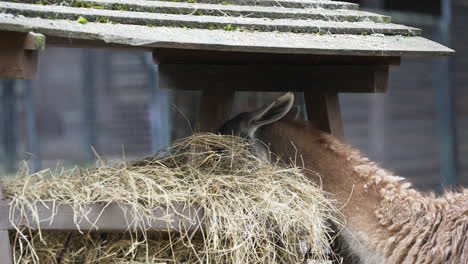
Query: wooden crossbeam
{"points": [[274, 78], [102, 217], [214, 57], [19, 54]]}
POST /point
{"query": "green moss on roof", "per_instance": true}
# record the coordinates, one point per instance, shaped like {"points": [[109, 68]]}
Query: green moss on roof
{"points": [[82, 20]]}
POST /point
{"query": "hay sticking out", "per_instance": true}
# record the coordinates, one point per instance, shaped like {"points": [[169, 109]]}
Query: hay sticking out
{"points": [[255, 212]]}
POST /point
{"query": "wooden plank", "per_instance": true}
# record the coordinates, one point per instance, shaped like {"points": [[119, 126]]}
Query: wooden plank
{"points": [[274, 78], [103, 35], [215, 108], [193, 56], [225, 23], [323, 109], [324, 4], [6, 254], [219, 9], [102, 218], [15, 60]]}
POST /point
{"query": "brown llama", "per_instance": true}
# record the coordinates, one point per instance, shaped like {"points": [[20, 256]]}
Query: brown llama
{"points": [[387, 221]]}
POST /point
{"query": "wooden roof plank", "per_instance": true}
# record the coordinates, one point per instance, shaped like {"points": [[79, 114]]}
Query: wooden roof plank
{"points": [[325, 4], [99, 34], [322, 4], [230, 10], [213, 22]]}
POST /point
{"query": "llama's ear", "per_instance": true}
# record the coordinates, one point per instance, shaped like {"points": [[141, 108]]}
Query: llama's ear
{"points": [[272, 112], [293, 114], [246, 124]]}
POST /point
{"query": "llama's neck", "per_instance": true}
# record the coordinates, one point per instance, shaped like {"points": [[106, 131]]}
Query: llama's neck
{"points": [[357, 184], [386, 220]]}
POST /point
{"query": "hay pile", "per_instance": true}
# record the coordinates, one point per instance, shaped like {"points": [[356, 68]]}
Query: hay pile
{"points": [[254, 212]]}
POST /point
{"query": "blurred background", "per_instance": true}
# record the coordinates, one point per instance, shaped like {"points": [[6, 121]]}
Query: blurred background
{"points": [[110, 100]]}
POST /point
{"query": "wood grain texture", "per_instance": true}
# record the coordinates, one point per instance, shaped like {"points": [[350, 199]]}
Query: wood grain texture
{"points": [[323, 109], [103, 218], [274, 78]]}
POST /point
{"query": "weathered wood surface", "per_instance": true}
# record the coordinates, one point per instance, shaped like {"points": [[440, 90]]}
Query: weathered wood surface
{"points": [[18, 54], [273, 78], [323, 109], [34, 41], [191, 56], [322, 4], [251, 11], [227, 38], [206, 22], [103, 218]]}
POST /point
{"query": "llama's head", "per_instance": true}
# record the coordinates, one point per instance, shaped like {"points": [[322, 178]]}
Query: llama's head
{"points": [[247, 124]]}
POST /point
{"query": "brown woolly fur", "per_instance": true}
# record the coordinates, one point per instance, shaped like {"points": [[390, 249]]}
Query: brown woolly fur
{"points": [[255, 211], [387, 221]]}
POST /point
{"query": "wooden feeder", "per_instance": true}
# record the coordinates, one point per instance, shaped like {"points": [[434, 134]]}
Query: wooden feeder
{"points": [[319, 47]]}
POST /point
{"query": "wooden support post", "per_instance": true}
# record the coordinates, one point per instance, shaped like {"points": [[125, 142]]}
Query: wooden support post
{"points": [[19, 53], [215, 108], [323, 109]]}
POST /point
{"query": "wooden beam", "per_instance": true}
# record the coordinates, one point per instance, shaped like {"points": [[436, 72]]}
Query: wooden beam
{"points": [[274, 78], [34, 41], [113, 217], [19, 54], [213, 57], [323, 109], [215, 108]]}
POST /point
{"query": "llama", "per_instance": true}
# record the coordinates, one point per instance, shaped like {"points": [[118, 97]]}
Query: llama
{"points": [[386, 221]]}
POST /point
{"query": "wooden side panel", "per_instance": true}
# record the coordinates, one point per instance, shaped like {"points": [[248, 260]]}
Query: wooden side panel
{"points": [[103, 218], [323, 109], [6, 255], [18, 55], [274, 78]]}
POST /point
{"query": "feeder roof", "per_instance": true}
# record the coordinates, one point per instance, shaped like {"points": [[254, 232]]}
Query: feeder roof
{"points": [[273, 26]]}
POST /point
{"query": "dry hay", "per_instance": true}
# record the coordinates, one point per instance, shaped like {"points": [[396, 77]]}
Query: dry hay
{"points": [[255, 212]]}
